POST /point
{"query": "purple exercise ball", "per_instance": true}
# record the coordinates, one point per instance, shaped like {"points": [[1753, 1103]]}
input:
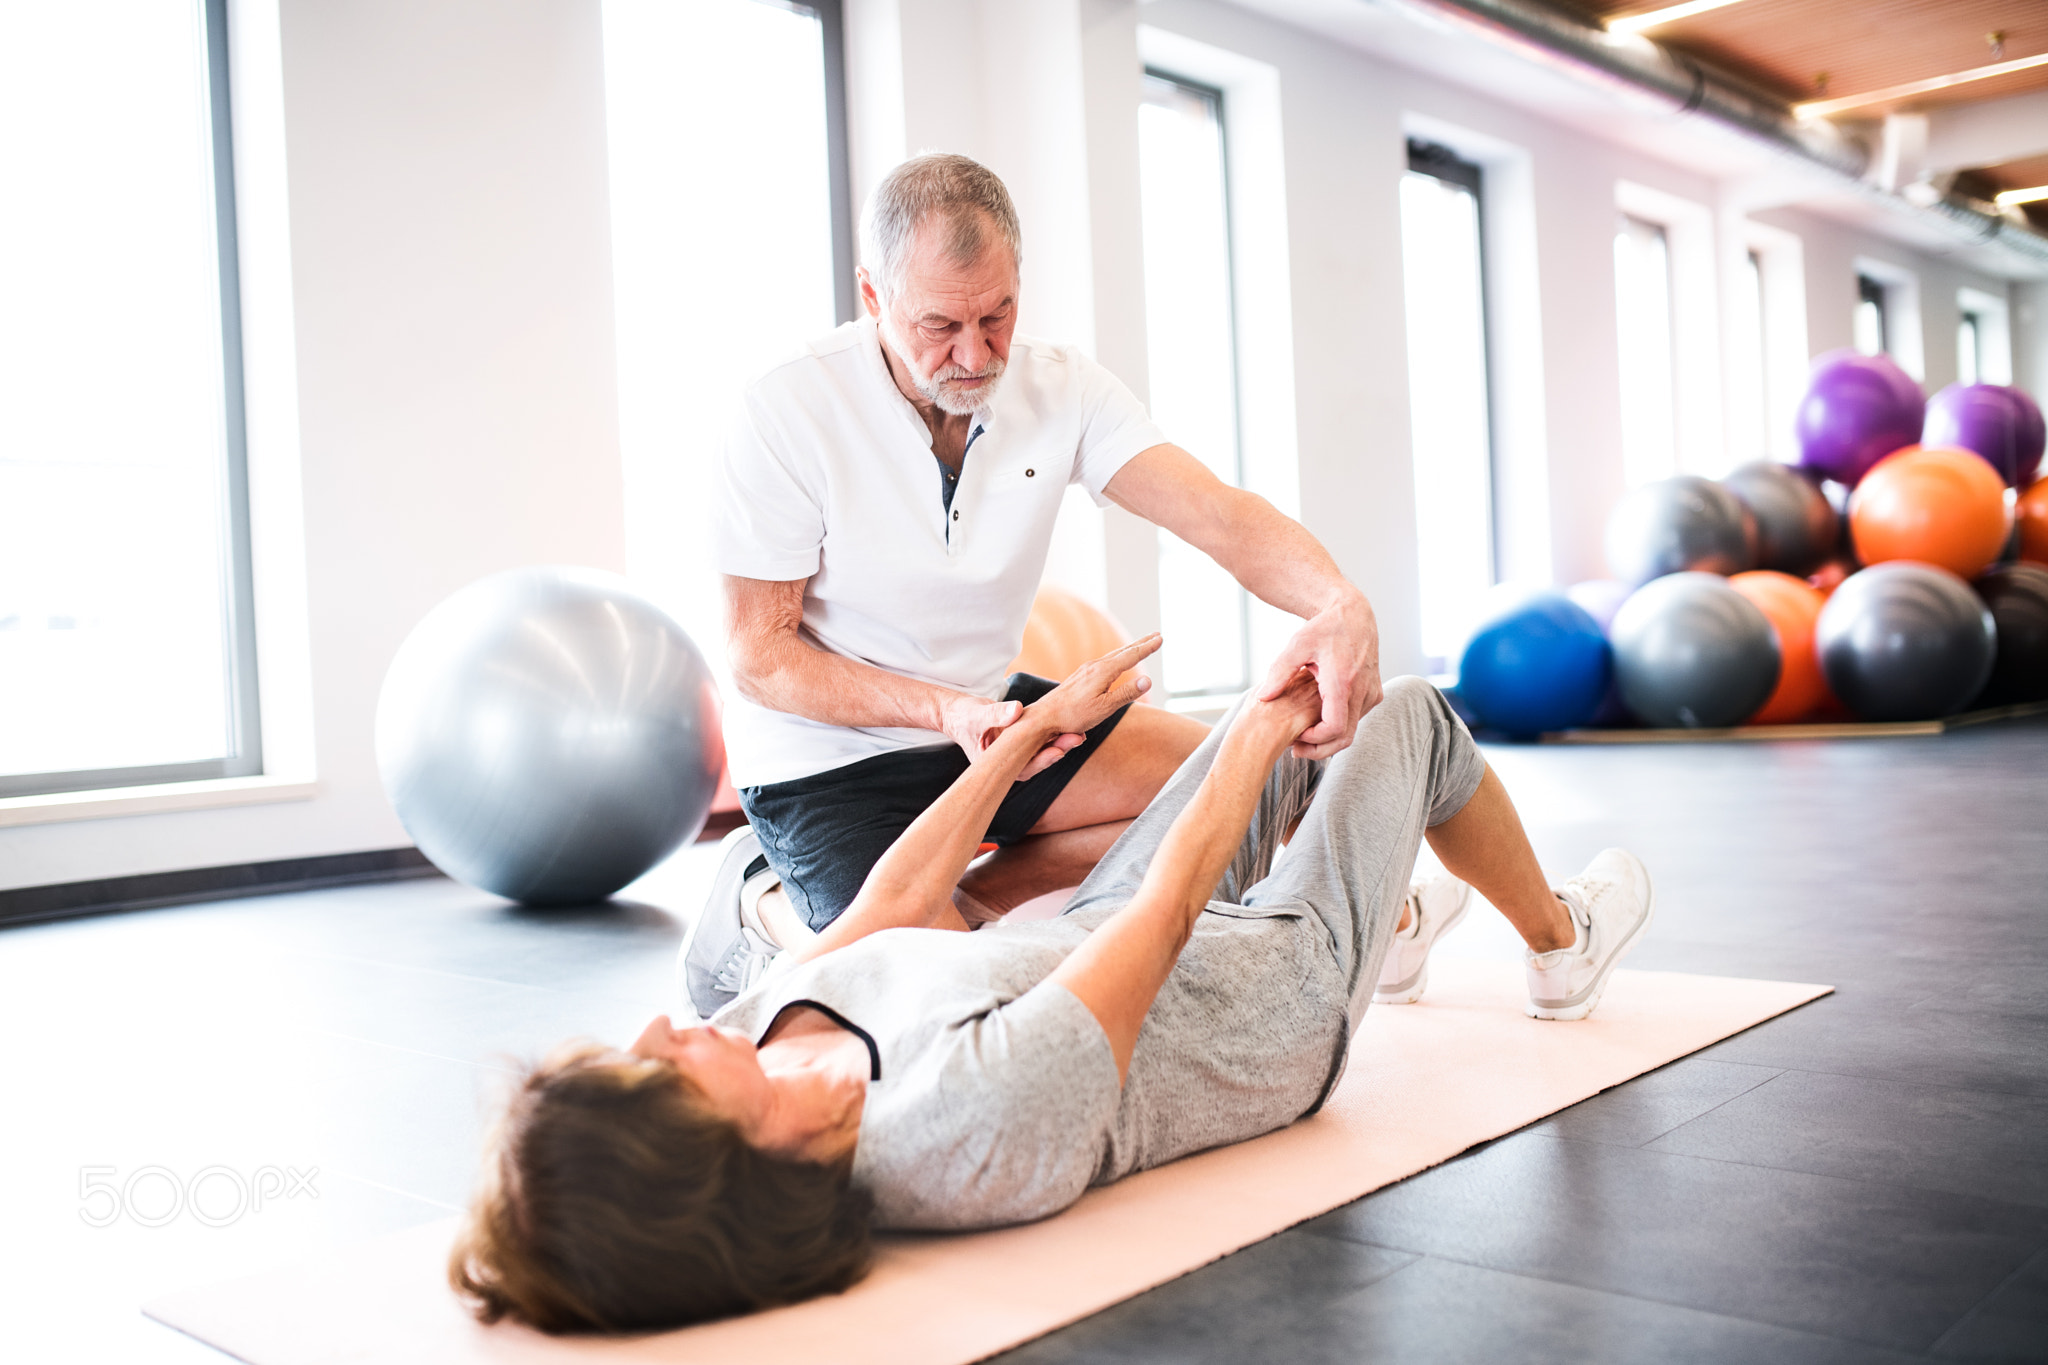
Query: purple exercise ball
{"points": [[2033, 438], [1857, 410], [1999, 423]]}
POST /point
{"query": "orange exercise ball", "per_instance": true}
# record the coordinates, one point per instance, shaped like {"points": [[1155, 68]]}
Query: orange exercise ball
{"points": [[1792, 606], [1935, 504], [1064, 632], [2032, 512]]}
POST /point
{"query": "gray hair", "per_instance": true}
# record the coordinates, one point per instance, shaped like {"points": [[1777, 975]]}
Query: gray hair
{"points": [[955, 189]]}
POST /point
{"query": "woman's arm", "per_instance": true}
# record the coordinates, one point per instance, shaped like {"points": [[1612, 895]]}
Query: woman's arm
{"points": [[1121, 967], [912, 885], [773, 666]]}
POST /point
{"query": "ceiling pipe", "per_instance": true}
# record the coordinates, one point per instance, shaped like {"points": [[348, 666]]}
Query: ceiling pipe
{"points": [[1634, 66]]}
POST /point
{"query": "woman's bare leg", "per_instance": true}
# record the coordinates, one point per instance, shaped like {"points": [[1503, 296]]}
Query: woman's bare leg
{"points": [[1485, 847]]}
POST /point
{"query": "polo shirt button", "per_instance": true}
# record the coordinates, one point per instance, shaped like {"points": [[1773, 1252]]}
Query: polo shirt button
{"points": [[1030, 473], [956, 516]]}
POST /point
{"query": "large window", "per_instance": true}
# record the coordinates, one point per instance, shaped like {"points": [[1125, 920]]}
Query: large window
{"points": [[1191, 342], [1983, 338], [1970, 348], [1649, 362], [1444, 283], [127, 647], [1748, 353], [1871, 327], [732, 246]]}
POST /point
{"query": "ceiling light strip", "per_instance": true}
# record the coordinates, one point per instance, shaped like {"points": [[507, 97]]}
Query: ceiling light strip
{"points": [[1636, 23], [1825, 108], [2007, 198]]}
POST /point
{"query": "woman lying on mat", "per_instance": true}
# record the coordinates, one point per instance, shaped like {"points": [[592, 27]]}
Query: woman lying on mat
{"points": [[1192, 994]]}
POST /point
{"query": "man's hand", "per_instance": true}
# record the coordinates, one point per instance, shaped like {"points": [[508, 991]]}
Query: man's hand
{"points": [[974, 723], [1064, 715], [1341, 646]]}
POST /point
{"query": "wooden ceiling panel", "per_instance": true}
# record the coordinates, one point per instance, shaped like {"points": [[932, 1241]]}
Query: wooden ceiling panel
{"points": [[1861, 45], [2023, 174]]}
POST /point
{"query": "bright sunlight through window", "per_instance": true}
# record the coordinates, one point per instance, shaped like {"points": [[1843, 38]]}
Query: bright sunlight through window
{"points": [[1193, 353], [722, 252], [1649, 411], [1447, 404], [124, 653]]}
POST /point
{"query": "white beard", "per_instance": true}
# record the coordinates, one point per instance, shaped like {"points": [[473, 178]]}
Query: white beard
{"points": [[938, 388], [944, 395]]}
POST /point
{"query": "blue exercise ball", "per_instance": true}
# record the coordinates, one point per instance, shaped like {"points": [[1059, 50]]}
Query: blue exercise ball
{"points": [[548, 734], [1692, 653], [1540, 665]]}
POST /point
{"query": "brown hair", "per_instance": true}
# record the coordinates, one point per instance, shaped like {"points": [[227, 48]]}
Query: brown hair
{"points": [[613, 1199]]}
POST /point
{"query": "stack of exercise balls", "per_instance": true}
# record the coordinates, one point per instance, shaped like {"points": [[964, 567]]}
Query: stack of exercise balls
{"points": [[1898, 572]]}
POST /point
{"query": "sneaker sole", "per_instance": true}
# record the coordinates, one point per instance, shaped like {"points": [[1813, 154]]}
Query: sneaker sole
{"points": [[1407, 993], [689, 1004], [1573, 1013]]}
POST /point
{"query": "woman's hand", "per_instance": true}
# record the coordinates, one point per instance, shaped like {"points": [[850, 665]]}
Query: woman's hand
{"points": [[1092, 693], [1277, 722]]}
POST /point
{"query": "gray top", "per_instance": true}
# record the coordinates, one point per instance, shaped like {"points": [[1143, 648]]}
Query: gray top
{"points": [[995, 1097]]}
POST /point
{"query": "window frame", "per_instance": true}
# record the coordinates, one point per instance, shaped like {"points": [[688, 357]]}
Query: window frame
{"points": [[1443, 163], [244, 720], [838, 151], [1217, 102]]}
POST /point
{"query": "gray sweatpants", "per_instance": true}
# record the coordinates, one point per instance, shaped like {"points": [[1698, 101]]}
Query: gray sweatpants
{"points": [[1412, 765]]}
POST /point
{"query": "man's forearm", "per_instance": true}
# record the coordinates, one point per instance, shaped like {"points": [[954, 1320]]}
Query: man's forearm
{"points": [[1272, 555], [789, 675]]}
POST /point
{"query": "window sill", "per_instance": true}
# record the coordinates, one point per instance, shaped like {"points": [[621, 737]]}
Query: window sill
{"points": [[168, 796]]}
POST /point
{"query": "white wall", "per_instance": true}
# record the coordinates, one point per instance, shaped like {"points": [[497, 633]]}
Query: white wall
{"points": [[455, 381], [1831, 251], [450, 262]]}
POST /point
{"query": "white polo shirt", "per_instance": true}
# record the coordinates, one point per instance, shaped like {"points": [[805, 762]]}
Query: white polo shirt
{"points": [[829, 476]]}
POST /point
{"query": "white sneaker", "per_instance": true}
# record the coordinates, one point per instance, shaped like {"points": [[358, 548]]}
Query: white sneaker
{"points": [[1438, 904], [722, 954], [1611, 903]]}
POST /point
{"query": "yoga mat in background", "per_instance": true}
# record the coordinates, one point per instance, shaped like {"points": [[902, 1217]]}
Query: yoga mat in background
{"points": [[1425, 1082]]}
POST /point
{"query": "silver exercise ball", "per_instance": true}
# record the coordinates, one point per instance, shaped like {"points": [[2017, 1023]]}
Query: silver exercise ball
{"points": [[1678, 525], [548, 734], [1692, 653]]}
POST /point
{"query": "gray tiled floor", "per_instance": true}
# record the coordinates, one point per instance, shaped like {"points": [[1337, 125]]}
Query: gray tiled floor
{"points": [[1863, 1180]]}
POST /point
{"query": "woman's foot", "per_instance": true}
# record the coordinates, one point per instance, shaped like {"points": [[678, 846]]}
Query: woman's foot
{"points": [[1433, 908], [1611, 903], [726, 948]]}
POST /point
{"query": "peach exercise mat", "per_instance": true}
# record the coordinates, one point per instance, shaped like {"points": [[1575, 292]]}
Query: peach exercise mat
{"points": [[1425, 1082]]}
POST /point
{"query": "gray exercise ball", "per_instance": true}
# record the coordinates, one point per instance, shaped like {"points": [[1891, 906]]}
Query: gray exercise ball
{"points": [[1677, 524], [548, 734], [1692, 653], [1796, 526], [1905, 641]]}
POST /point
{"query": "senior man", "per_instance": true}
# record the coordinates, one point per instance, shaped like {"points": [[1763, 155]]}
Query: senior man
{"points": [[887, 504]]}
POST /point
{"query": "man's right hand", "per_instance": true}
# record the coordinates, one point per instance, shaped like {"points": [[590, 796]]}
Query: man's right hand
{"points": [[974, 723]]}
